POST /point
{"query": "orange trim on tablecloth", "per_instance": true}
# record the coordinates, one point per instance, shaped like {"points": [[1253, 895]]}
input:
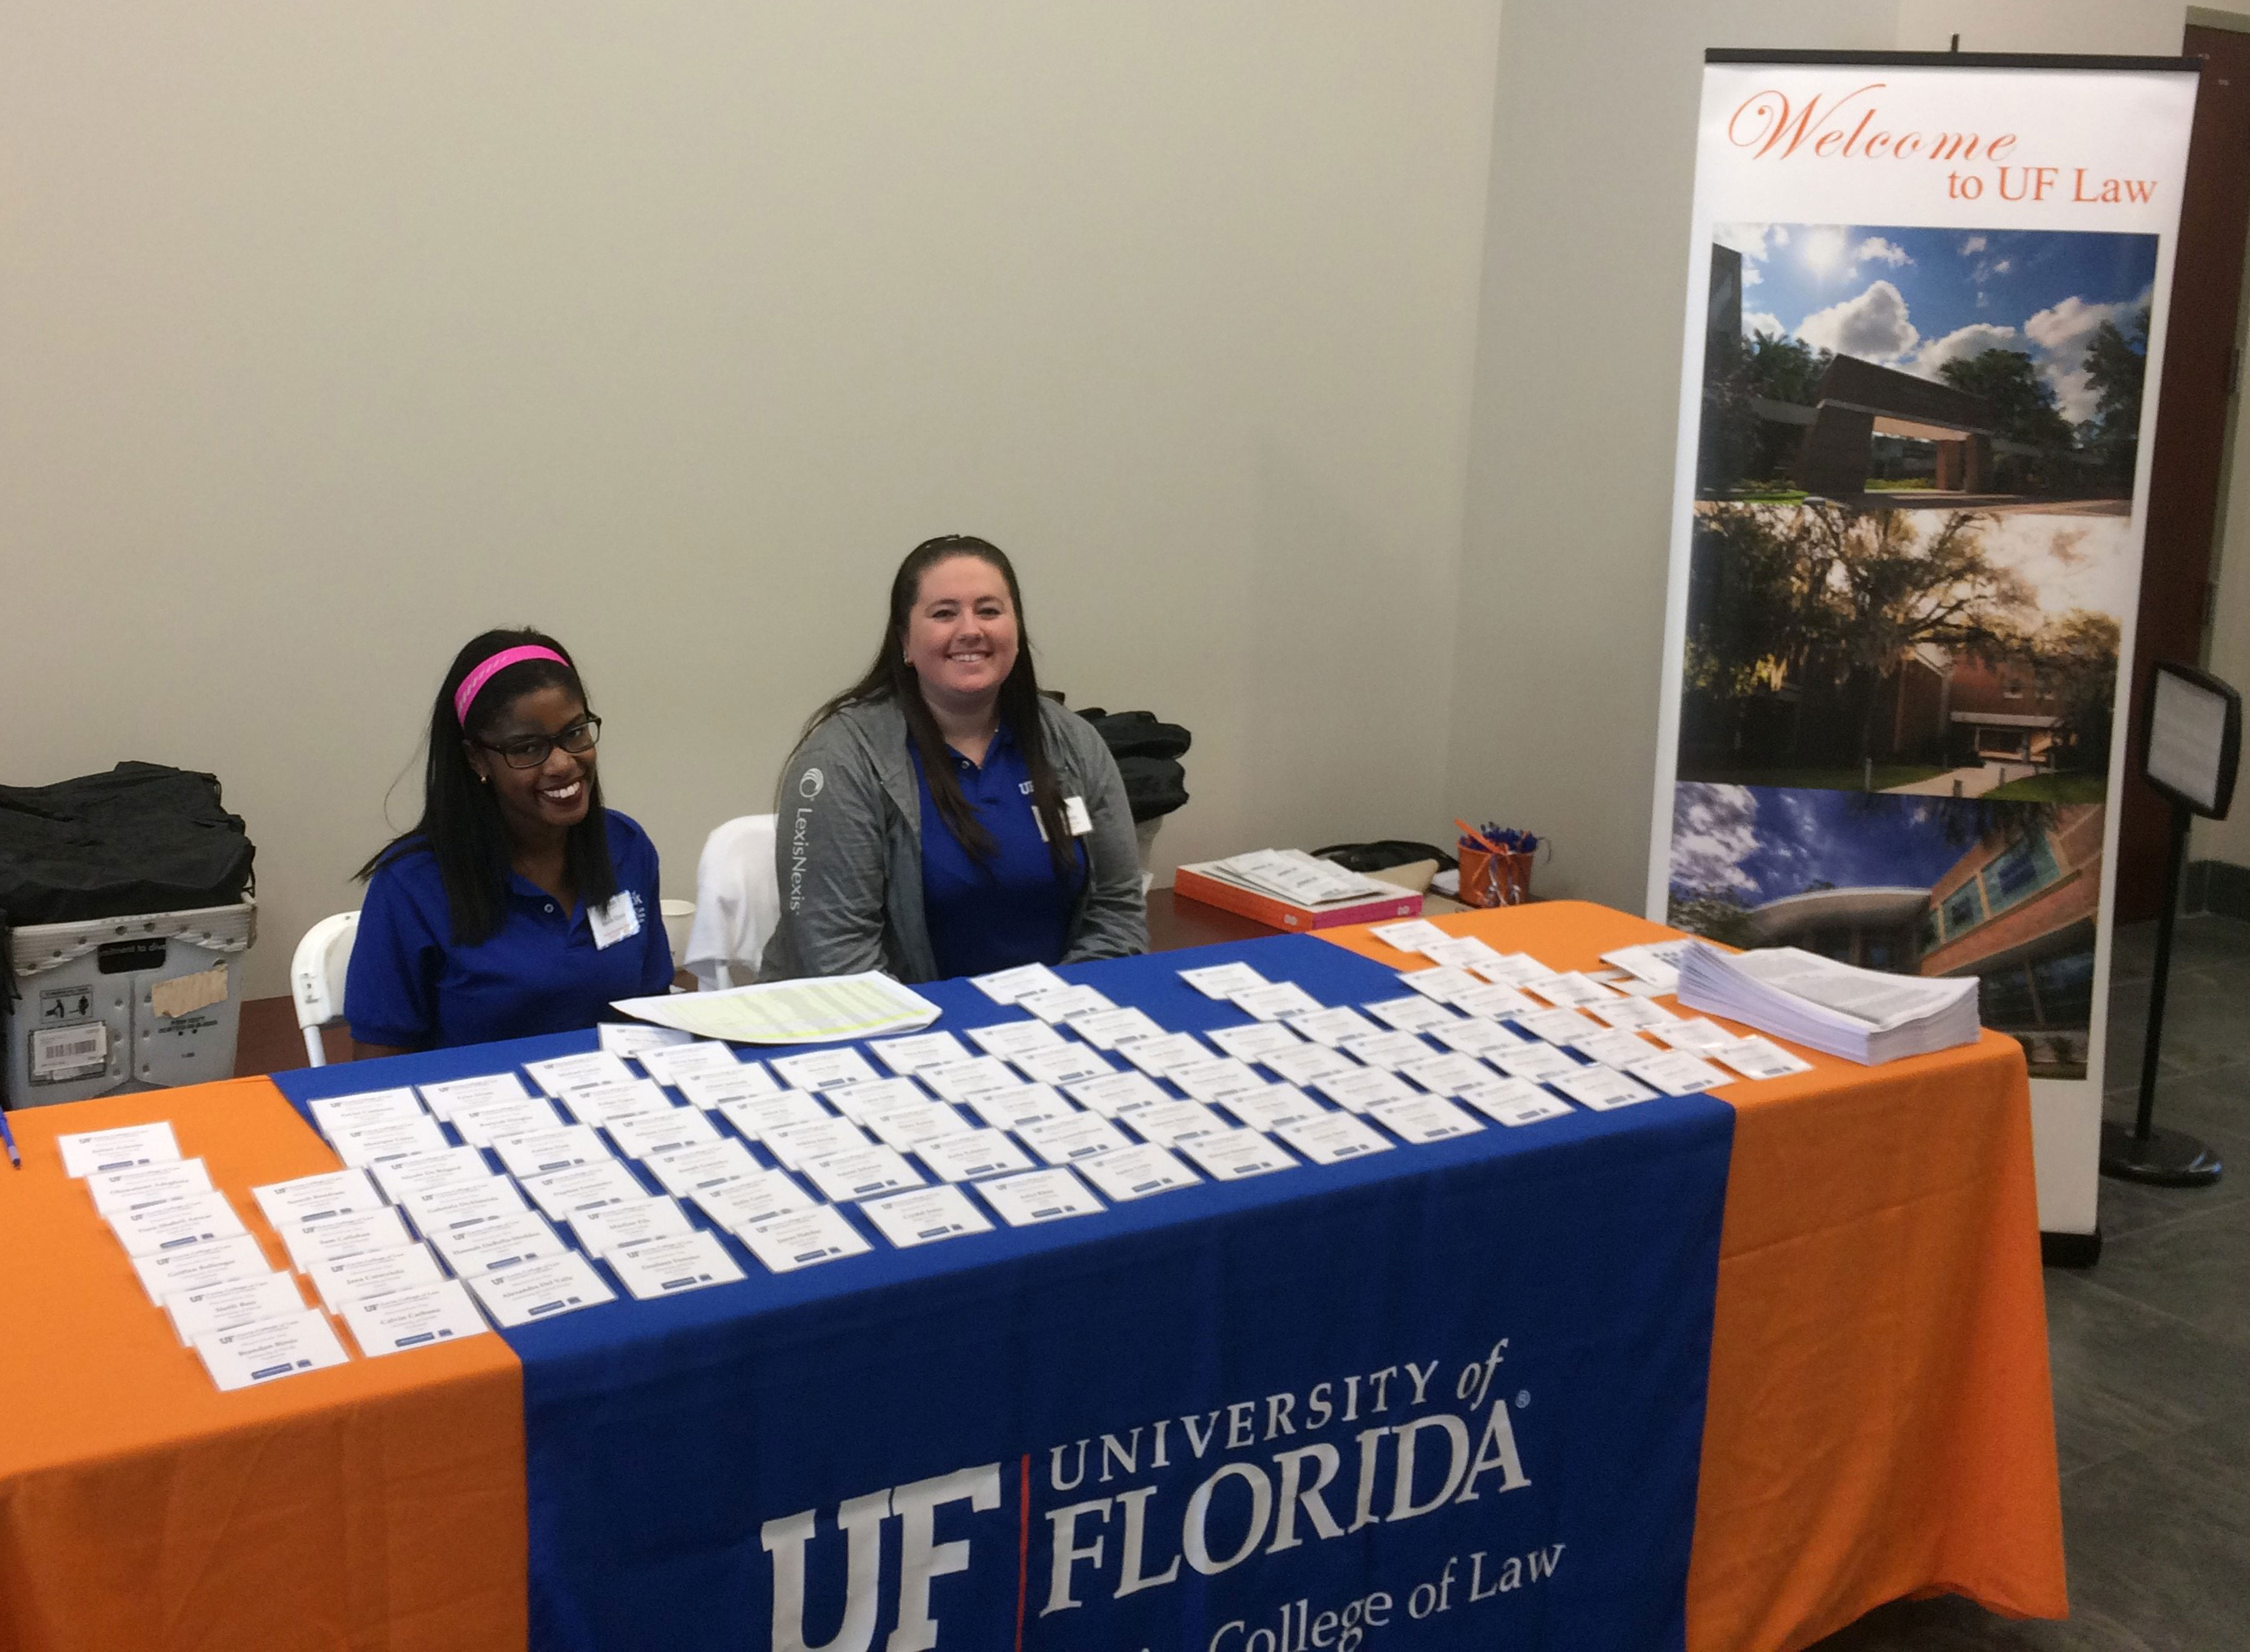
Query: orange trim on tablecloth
{"points": [[1880, 1422], [378, 1504]]}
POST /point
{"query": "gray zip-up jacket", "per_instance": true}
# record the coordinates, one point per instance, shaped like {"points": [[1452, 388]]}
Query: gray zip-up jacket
{"points": [[847, 849]]}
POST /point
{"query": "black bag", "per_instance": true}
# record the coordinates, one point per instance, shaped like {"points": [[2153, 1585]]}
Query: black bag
{"points": [[142, 838], [1147, 753], [1384, 853]]}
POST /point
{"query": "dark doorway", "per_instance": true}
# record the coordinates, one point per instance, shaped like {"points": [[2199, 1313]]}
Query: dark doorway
{"points": [[2200, 371]]}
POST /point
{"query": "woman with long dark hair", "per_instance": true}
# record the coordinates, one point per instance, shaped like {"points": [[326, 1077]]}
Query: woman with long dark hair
{"points": [[941, 817], [517, 904]]}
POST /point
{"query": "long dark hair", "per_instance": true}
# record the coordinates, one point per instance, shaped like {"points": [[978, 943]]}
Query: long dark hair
{"points": [[460, 824], [892, 678]]}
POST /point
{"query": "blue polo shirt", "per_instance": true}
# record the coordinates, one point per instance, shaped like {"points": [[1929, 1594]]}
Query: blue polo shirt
{"points": [[409, 985], [987, 915]]}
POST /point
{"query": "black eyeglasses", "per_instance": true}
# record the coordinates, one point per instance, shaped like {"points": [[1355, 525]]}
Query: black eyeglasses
{"points": [[578, 739]]}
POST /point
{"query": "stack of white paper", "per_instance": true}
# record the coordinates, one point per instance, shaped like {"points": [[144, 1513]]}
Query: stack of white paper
{"points": [[1297, 877], [1863, 1015]]}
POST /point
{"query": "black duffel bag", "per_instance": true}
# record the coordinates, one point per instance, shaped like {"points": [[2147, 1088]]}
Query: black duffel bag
{"points": [[1148, 754], [142, 838]]}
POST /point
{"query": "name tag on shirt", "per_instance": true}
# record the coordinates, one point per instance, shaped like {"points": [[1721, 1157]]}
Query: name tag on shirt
{"points": [[1074, 816], [613, 920]]}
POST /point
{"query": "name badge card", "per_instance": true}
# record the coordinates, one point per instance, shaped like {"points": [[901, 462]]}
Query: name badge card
{"points": [[169, 1272], [743, 1081], [860, 1103], [1019, 1105], [550, 1149], [417, 1318], [1758, 1058], [605, 1104], [1272, 1106], [958, 1080], [1115, 1029], [1136, 1172], [632, 1038], [1557, 1027], [1061, 1003], [317, 1198], [1332, 1138], [1010, 1039], [565, 1195], [666, 1132], [231, 1303], [1442, 982], [1494, 1003], [928, 1213], [1041, 1196], [1081, 1136], [1603, 1088], [1332, 1026], [907, 1056], [334, 1113], [272, 1348], [907, 1128], [367, 1144], [1513, 968], [443, 1098], [824, 1069], [1677, 1073], [504, 1241], [861, 1172], [1256, 1042], [1449, 1074], [794, 1144], [1422, 1119], [1411, 936], [1224, 980], [1515, 1101], [1214, 1081], [1112, 1098], [1542, 1063], [122, 1190], [1570, 988], [1613, 1047], [96, 1152], [1232, 1154], [1478, 1038], [332, 1242], [1066, 1064], [615, 920], [192, 1220], [1155, 1056], [374, 1274], [1388, 1050], [1006, 986], [1075, 819], [604, 1227], [741, 1205], [558, 1285], [1272, 1003], [781, 1110], [447, 1210], [1460, 952], [566, 1073], [481, 1123], [1362, 1088], [1302, 1067], [784, 1244], [1631, 1013], [668, 1266], [972, 1156], [1170, 1123], [691, 1168], [680, 1060], [1412, 1013], [448, 1169], [1698, 1034]]}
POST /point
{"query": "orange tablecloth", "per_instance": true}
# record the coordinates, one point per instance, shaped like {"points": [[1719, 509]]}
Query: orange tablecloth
{"points": [[1880, 1420], [379, 1505]]}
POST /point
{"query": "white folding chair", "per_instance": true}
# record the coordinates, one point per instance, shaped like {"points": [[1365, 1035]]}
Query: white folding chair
{"points": [[737, 903], [316, 978]]}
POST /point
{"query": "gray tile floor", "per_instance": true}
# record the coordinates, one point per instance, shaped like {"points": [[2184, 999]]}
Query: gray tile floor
{"points": [[2151, 1354]]}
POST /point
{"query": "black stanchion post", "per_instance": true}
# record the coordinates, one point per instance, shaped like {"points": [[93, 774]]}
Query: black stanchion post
{"points": [[2169, 1158]]}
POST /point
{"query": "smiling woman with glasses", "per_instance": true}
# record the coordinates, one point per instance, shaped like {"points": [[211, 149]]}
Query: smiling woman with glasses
{"points": [[517, 904]]}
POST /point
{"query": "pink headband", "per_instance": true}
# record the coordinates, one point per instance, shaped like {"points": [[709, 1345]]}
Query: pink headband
{"points": [[465, 695]]}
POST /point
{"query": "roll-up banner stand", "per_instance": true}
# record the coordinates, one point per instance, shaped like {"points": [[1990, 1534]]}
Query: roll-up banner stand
{"points": [[1925, 307]]}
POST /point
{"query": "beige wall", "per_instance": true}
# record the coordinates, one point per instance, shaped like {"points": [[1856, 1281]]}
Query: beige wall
{"points": [[335, 333]]}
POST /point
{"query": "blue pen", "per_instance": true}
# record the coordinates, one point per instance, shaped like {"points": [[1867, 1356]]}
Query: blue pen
{"points": [[9, 1136]]}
